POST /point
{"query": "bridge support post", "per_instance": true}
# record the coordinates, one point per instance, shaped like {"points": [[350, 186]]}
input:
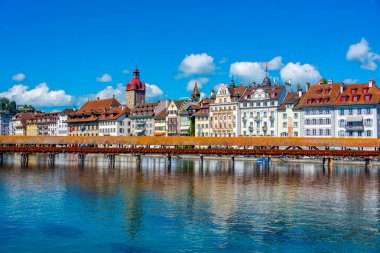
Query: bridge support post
{"points": [[201, 159], [330, 163], [51, 159], [81, 158], [269, 161], [138, 161], [1, 158], [169, 164], [324, 162], [24, 159], [111, 160], [368, 163], [232, 164]]}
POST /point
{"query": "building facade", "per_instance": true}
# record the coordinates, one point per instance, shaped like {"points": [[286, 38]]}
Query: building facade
{"points": [[289, 118], [258, 109], [115, 122], [224, 111], [202, 120], [357, 111]]}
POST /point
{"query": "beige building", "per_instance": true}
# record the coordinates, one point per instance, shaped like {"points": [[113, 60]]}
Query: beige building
{"points": [[289, 118], [202, 120]]}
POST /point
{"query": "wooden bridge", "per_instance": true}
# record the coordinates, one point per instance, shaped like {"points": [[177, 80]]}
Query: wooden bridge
{"points": [[325, 148]]}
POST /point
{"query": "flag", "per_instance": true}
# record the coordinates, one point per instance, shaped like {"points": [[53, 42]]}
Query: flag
{"points": [[83, 128], [72, 128], [266, 67]]}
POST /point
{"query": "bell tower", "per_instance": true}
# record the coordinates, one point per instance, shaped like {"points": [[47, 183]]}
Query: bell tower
{"points": [[135, 91]]}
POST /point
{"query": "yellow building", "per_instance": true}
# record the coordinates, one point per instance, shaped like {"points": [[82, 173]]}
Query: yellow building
{"points": [[202, 120], [31, 128], [160, 124]]}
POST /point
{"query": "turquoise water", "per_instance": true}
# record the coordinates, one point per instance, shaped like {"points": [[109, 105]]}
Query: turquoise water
{"points": [[288, 208]]}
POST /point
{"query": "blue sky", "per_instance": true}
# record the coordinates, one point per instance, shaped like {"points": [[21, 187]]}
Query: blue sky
{"points": [[64, 47]]}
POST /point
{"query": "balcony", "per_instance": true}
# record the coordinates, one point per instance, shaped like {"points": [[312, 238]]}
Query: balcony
{"points": [[354, 127], [271, 118], [257, 119]]}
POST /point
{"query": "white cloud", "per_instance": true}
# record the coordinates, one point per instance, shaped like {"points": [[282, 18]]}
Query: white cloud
{"points": [[217, 86], [275, 63], [105, 78], [299, 74], [196, 64], [39, 96], [200, 82], [152, 92], [126, 71], [247, 71], [19, 77], [350, 81], [361, 52], [254, 71], [203, 95]]}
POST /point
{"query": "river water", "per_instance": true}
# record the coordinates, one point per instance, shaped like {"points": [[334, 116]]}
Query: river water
{"points": [[290, 207]]}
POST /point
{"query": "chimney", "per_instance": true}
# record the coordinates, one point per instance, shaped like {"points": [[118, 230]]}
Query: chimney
{"points": [[98, 98], [330, 81], [307, 86], [299, 92], [166, 103], [212, 92], [371, 83], [341, 89]]}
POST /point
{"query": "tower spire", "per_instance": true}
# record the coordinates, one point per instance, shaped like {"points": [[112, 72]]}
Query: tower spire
{"points": [[266, 69]]}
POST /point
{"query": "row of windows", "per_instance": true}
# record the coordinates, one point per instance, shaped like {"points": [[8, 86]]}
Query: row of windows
{"points": [[202, 126], [354, 111], [258, 114], [258, 104], [257, 124], [285, 124], [285, 115], [326, 121], [224, 125], [318, 132], [223, 108], [318, 112], [258, 133], [367, 133]]}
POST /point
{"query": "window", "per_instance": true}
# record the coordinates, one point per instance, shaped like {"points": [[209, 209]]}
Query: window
{"points": [[359, 111], [350, 112], [368, 111], [314, 121], [353, 91], [296, 115], [320, 121], [295, 124], [355, 98], [367, 97], [341, 133], [328, 133], [328, 121], [341, 123], [284, 125], [284, 116], [295, 134], [368, 133], [314, 132], [344, 99], [308, 122], [368, 122], [341, 112], [321, 132]]}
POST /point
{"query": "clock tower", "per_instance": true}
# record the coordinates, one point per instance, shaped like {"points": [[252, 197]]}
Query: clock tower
{"points": [[135, 91]]}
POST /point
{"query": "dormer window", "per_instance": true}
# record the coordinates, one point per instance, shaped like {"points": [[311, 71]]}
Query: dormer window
{"points": [[319, 92], [325, 100], [309, 101], [367, 97], [344, 99], [355, 98], [327, 91], [365, 90], [353, 91]]}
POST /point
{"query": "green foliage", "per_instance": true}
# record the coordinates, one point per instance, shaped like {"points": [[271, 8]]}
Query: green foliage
{"points": [[192, 127], [7, 106]]}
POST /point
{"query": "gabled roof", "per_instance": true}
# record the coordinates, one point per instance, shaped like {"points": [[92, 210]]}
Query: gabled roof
{"points": [[273, 91], [320, 95], [99, 105], [161, 115], [291, 98], [359, 89], [114, 113]]}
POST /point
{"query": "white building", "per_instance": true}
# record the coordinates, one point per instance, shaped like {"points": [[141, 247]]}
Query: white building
{"points": [[317, 109], [115, 122], [258, 109], [5, 118], [357, 111]]}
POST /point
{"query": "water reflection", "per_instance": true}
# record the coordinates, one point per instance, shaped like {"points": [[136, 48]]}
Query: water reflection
{"points": [[250, 207]]}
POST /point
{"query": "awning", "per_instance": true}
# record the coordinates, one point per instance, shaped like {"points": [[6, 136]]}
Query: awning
{"points": [[138, 131], [159, 133], [355, 119]]}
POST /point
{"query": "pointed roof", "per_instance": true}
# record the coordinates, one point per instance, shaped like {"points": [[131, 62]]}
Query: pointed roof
{"points": [[196, 91]]}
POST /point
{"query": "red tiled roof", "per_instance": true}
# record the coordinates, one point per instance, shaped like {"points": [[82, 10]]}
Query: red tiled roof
{"points": [[161, 115], [359, 94], [99, 105], [320, 95]]}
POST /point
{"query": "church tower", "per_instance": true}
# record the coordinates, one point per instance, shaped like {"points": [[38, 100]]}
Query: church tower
{"points": [[195, 96], [135, 91]]}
